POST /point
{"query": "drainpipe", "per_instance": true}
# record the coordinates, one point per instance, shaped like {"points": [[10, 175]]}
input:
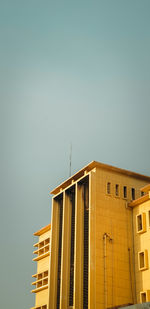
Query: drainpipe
{"points": [[105, 236], [134, 295], [105, 274]]}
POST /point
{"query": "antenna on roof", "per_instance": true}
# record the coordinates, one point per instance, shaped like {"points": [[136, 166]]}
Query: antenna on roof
{"points": [[70, 159]]}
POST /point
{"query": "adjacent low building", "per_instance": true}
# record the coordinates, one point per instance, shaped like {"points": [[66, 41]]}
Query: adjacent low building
{"points": [[95, 241], [42, 252], [141, 222]]}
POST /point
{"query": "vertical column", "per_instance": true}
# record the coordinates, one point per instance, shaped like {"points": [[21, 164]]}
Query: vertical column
{"points": [[92, 240], [86, 246], [79, 238], [66, 242], [54, 255]]}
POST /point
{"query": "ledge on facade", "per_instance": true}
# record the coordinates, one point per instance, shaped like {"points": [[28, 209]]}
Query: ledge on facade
{"points": [[146, 188], [139, 200], [40, 289], [42, 256], [43, 230]]}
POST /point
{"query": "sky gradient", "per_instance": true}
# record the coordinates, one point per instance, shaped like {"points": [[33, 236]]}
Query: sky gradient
{"points": [[70, 72]]}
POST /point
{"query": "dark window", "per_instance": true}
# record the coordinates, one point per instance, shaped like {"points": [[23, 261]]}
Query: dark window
{"points": [[125, 192], [108, 187], [142, 260], [139, 223], [143, 297], [133, 193], [117, 190]]}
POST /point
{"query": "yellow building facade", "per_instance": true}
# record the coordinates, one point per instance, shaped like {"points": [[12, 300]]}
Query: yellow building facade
{"points": [[92, 263]]}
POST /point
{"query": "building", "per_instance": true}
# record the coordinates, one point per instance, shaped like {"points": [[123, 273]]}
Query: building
{"points": [[93, 257], [141, 222], [43, 259]]}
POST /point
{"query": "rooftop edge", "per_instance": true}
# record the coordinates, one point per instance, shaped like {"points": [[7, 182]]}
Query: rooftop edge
{"points": [[43, 230], [146, 188], [91, 166]]}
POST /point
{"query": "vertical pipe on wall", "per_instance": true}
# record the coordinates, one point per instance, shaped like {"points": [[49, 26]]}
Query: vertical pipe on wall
{"points": [[131, 254], [133, 260], [105, 237], [105, 270]]}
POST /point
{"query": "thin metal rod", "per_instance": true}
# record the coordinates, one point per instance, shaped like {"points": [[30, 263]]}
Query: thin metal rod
{"points": [[70, 160]]}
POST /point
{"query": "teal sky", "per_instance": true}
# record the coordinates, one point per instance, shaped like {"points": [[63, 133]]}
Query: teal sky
{"points": [[70, 71]]}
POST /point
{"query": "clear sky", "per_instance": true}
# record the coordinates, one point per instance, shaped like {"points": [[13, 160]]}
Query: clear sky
{"points": [[70, 71]]}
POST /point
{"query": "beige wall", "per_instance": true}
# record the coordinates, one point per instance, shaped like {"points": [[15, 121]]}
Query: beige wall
{"points": [[114, 273]]}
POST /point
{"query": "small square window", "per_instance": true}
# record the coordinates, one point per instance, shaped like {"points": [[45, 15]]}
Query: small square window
{"points": [[39, 284], [117, 190], [39, 276], [108, 188], [142, 193], [125, 192], [143, 260], [133, 194], [141, 223]]}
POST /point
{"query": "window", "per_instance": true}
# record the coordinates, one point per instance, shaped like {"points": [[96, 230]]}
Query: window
{"points": [[125, 192], [133, 194], [141, 223], [143, 260], [43, 249], [145, 296], [149, 218], [108, 187], [142, 193], [41, 281], [117, 190]]}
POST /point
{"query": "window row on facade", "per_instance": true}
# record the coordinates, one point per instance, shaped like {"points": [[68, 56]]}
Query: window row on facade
{"points": [[120, 191], [43, 249], [141, 225], [41, 281]]}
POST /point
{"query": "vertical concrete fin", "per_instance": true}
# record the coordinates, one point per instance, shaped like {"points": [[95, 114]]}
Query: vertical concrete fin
{"points": [[79, 234], [92, 240], [66, 241]]}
